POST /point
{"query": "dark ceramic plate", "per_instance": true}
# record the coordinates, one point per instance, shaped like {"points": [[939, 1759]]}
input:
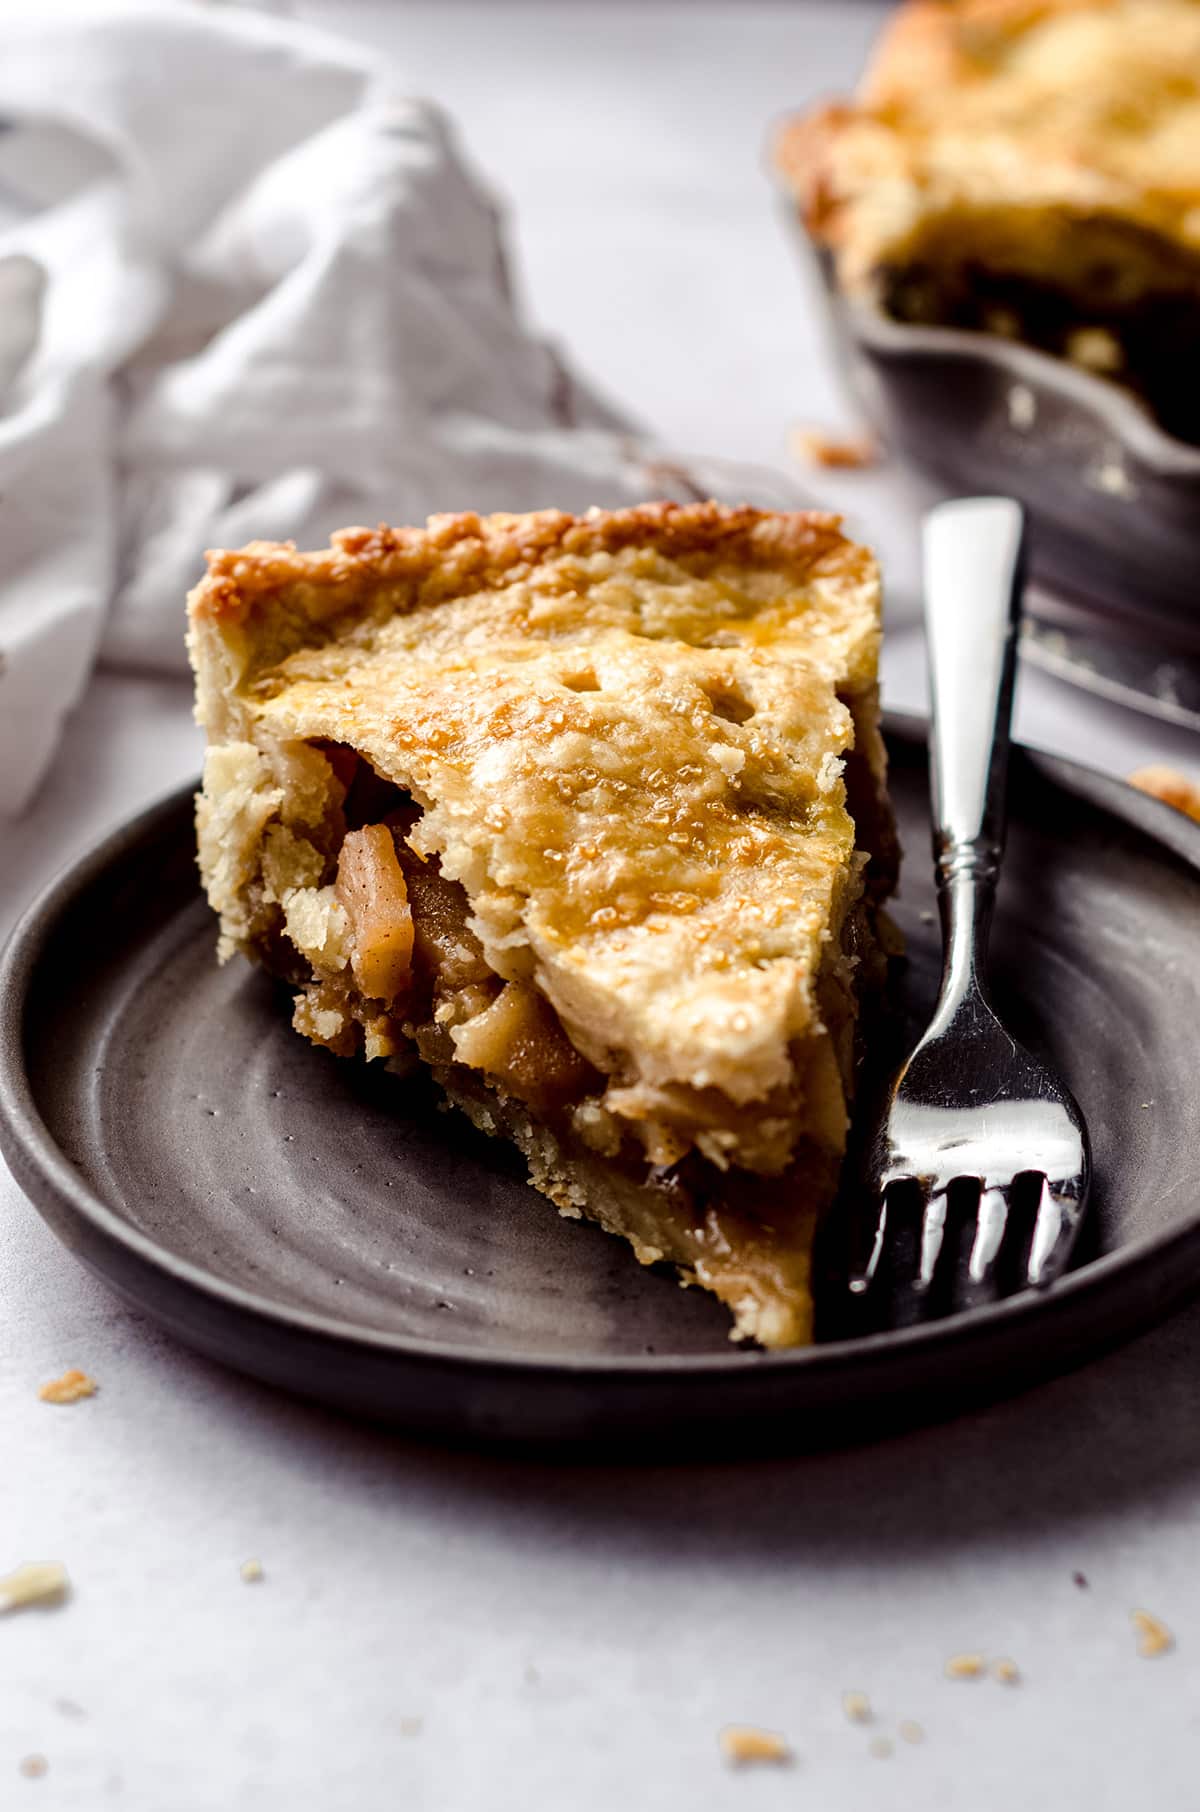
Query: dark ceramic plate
{"points": [[1114, 500], [324, 1227]]}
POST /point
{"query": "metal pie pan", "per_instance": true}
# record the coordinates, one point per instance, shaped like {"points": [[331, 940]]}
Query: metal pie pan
{"points": [[326, 1228], [1113, 498]]}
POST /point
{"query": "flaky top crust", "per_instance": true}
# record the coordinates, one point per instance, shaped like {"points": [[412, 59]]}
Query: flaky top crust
{"points": [[457, 551], [625, 733], [260, 602], [1084, 106]]}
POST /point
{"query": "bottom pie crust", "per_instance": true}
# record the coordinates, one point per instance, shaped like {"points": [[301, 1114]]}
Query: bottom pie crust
{"points": [[758, 1264]]}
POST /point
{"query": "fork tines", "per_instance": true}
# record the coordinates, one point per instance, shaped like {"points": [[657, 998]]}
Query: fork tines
{"points": [[913, 1217]]}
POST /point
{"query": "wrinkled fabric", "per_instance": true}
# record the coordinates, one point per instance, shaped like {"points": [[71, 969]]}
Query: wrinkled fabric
{"points": [[246, 289]]}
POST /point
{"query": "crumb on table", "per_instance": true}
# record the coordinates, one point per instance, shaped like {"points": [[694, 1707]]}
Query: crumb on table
{"points": [[741, 1743], [1170, 786], [33, 1766], [252, 1571], [39, 1582], [411, 1727], [1154, 1638], [964, 1667], [1006, 1671], [816, 446], [72, 1387], [857, 1707], [910, 1731]]}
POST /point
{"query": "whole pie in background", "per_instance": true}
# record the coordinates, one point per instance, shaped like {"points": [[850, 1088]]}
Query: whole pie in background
{"points": [[589, 816], [1027, 168]]}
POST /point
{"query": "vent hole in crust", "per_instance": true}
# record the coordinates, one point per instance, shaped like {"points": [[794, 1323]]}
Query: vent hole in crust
{"points": [[371, 798], [729, 703]]}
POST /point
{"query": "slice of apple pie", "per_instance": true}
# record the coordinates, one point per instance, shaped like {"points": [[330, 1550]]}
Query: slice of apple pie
{"points": [[589, 815]]}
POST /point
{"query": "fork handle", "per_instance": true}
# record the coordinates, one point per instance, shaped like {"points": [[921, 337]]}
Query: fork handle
{"points": [[974, 564]]}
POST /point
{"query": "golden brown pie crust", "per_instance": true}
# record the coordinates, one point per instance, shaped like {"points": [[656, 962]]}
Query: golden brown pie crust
{"points": [[607, 885], [1023, 104]]}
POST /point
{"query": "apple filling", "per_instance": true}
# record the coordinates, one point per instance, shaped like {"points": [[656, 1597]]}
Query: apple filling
{"points": [[416, 970], [394, 965], [389, 963]]}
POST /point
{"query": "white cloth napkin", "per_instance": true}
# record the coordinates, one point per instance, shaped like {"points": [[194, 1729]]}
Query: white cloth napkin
{"points": [[246, 289]]}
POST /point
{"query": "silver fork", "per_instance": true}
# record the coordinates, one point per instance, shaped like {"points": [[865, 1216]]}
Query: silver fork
{"points": [[972, 1117]]}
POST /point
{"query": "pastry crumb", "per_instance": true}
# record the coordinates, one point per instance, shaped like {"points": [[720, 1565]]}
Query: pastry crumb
{"points": [[1003, 321], [411, 1727], [741, 1743], [857, 1707], [39, 1582], [72, 1387], [252, 1571], [1170, 786], [964, 1667], [1022, 408], [880, 1746], [33, 1766], [910, 1731], [1111, 477], [815, 446], [1006, 1671], [1095, 349], [1154, 1638]]}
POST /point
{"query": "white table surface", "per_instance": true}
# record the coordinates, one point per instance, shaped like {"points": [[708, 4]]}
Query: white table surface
{"points": [[574, 1638]]}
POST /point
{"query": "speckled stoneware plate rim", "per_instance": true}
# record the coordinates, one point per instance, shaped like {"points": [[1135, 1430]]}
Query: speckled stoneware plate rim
{"points": [[31, 1150]]}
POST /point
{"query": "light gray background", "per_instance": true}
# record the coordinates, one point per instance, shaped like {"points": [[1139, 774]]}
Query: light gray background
{"points": [[575, 1638]]}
